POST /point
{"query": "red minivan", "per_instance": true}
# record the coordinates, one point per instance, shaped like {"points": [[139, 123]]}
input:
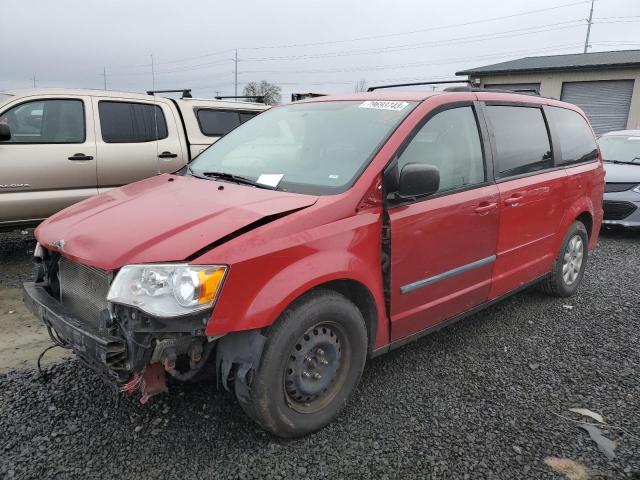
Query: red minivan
{"points": [[317, 235]]}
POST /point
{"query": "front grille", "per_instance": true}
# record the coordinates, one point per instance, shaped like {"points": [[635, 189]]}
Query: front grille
{"points": [[617, 210], [83, 290], [619, 187]]}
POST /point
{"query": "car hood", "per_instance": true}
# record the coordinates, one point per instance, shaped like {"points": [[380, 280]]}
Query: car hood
{"points": [[162, 219], [621, 173]]}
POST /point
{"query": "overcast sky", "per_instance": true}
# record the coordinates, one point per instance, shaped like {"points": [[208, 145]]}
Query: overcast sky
{"points": [[322, 46]]}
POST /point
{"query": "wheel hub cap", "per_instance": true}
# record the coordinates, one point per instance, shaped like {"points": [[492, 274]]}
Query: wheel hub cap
{"points": [[313, 364], [573, 256]]}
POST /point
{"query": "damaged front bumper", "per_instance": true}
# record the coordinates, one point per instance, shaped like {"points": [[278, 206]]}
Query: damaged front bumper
{"points": [[98, 350], [126, 346]]}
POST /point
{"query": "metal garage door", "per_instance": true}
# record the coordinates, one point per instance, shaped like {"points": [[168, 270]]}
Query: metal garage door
{"points": [[516, 87], [606, 103]]}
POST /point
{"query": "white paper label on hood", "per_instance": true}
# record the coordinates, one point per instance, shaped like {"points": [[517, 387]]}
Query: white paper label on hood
{"points": [[384, 105], [270, 179]]}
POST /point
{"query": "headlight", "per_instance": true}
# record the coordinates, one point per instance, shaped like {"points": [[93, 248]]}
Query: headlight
{"points": [[637, 189], [167, 290]]}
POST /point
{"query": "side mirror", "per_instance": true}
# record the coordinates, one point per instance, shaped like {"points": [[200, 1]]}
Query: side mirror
{"points": [[418, 180], [5, 132]]}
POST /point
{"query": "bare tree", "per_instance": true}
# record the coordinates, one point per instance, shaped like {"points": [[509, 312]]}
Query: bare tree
{"points": [[360, 85], [269, 91]]}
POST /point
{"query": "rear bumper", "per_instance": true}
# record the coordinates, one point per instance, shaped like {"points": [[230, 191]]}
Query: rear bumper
{"points": [[94, 348]]}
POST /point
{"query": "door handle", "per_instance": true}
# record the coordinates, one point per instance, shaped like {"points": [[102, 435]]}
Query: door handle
{"points": [[514, 199], [167, 155], [80, 156], [485, 207]]}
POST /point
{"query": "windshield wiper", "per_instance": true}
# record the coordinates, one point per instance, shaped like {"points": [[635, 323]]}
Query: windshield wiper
{"points": [[234, 178], [620, 162]]}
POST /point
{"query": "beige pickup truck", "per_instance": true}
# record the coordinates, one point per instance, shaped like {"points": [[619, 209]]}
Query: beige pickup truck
{"points": [[60, 146]]}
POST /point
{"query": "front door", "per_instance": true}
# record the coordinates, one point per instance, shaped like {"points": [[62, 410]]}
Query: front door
{"points": [[532, 195], [443, 247], [50, 161]]}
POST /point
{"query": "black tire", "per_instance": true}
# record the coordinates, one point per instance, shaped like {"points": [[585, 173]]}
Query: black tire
{"points": [[556, 284], [321, 321]]}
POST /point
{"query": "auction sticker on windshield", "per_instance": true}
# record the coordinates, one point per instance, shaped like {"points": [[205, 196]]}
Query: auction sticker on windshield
{"points": [[270, 179], [384, 105]]}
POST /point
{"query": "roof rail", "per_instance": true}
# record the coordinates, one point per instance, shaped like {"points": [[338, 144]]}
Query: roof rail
{"points": [[257, 98], [296, 97], [523, 91], [186, 92], [437, 82]]}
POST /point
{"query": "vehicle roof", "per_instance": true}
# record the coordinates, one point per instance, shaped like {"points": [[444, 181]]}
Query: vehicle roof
{"points": [[76, 91], [27, 92], [623, 133], [417, 96], [196, 102], [391, 95]]}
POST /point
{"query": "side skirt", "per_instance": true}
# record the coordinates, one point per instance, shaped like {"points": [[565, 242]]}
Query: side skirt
{"points": [[445, 323]]}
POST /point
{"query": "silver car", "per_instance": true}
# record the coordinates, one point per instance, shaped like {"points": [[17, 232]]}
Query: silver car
{"points": [[621, 152]]}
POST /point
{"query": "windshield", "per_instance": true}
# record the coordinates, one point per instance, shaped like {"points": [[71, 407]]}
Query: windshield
{"points": [[620, 149], [313, 148]]}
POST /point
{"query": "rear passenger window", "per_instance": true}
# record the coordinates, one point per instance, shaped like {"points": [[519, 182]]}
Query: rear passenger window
{"points": [[217, 122], [449, 141], [577, 143], [244, 116], [127, 122], [46, 121], [521, 140]]}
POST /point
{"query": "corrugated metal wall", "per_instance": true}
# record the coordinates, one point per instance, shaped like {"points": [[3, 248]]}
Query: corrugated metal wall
{"points": [[606, 102]]}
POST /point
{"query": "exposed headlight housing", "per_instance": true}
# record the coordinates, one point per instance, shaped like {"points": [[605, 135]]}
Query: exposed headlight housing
{"points": [[167, 290]]}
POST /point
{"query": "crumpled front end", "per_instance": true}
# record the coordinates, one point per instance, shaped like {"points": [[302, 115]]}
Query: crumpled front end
{"points": [[123, 344]]}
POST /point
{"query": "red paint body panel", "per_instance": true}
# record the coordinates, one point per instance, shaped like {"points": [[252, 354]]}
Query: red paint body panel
{"points": [[435, 236], [159, 220], [327, 238], [531, 213]]}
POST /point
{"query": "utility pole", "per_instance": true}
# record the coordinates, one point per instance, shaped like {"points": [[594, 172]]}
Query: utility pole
{"points": [[153, 76], [236, 74], [586, 42], [104, 76], [34, 80]]}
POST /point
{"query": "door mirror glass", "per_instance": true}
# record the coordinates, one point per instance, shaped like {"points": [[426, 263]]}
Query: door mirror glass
{"points": [[418, 180], [5, 132]]}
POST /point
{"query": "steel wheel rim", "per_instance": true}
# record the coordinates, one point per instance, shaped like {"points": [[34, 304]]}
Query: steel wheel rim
{"points": [[573, 257], [316, 367]]}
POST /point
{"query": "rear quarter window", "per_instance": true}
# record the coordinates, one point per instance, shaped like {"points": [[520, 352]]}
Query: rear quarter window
{"points": [[521, 140], [216, 123], [577, 143]]}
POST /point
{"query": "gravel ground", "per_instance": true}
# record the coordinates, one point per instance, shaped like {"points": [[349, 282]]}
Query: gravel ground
{"points": [[480, 399], [16, 252]]}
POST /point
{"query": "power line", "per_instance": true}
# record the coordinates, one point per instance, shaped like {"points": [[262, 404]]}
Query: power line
{"points": [[402, 47], [412, 46], [411, 32], [413, 64], [370, 37]]}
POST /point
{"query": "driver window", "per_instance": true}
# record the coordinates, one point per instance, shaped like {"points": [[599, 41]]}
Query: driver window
{"points": [[46, 121], [451, 142]]}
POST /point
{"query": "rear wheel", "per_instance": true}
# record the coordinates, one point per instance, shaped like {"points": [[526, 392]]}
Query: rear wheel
{"points": [[311, 362], [568, 270]]}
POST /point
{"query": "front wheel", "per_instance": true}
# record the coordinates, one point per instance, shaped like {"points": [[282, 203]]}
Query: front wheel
{"points": [[311, 362], [568, 270]]}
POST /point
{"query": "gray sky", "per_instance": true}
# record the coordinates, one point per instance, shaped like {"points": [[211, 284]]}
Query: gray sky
{"points": [[321, 46]]}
